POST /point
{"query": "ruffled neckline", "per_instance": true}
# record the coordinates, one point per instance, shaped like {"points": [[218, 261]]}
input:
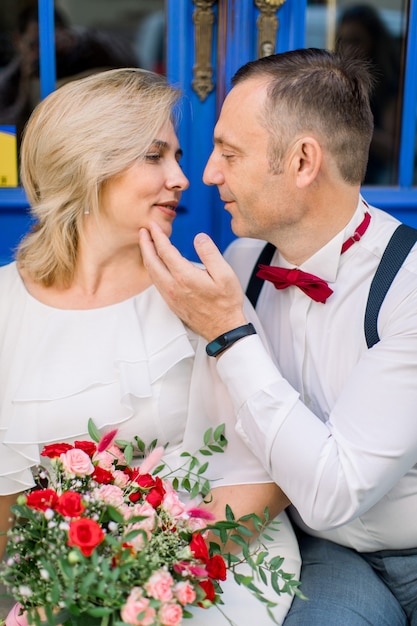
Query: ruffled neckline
{"points": [[126, 347]]}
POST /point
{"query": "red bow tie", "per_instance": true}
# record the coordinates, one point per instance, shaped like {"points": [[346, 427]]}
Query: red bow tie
{"points": [[313, 286]]}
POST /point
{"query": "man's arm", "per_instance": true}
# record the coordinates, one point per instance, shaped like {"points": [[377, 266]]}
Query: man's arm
{"points": [[209, 300]]}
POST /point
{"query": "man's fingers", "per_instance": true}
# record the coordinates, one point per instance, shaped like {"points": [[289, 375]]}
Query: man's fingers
{"points": [[150, 255], [168, 253], [208, 253], [167, 268]]}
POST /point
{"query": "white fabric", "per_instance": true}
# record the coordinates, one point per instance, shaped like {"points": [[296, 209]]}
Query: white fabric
{"points": [[336, 425], [133, 366]]}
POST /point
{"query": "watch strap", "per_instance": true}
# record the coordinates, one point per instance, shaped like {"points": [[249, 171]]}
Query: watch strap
{"points": [[222, 342]]}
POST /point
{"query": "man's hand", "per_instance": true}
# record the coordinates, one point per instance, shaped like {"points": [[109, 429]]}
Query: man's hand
{"points": [[209, 300]]}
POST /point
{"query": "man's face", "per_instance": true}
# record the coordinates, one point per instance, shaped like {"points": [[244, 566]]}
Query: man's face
{"points": [[239, 164]]}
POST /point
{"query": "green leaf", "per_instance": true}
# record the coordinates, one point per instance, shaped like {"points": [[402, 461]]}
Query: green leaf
{"points": [[93, 431], [202, 469], [207, 436], [238, 540], [99, 611], [115, 515], [140, 444], [261, 557], [205, 488], [229, 513], [185, 484], [274, 583], [262, 576], [219, 432], [128, 452], [276, 562], [195, 491]]}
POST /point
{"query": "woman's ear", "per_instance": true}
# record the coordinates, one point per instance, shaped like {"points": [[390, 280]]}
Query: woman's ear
{"points": [[307, 159]]}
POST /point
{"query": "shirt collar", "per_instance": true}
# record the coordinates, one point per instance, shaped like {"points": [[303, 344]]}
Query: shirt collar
{"points": [[325, 262]]}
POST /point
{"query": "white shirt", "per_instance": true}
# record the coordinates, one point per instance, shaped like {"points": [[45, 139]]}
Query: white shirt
{"points": [[336, 423]]}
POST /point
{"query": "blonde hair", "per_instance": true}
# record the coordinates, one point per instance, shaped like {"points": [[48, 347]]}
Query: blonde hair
{"points": [[79, 136]]}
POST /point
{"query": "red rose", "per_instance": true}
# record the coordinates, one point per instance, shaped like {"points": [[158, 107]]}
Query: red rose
{"points": [[102, 476], [69, 504], [216, 567], [208, 587], [42, 499], [89, 447], [134, 497], [144, 481], [85, 534], [199, 547], [54, 450], [156, 495]]}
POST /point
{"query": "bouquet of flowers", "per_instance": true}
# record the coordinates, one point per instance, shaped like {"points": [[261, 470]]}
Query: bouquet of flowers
{"points": [[102, 542]]}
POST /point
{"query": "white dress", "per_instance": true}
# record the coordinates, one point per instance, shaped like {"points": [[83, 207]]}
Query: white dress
{"points": [[131, 365]]}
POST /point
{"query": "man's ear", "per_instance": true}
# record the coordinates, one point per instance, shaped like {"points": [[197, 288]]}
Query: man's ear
{"points": [[307, 160]]}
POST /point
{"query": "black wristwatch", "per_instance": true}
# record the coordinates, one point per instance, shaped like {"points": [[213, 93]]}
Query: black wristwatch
{"points": [[221, 343]]}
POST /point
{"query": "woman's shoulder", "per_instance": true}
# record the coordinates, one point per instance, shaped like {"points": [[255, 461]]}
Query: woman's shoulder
{"points": [[9, 280], [11, 292]]}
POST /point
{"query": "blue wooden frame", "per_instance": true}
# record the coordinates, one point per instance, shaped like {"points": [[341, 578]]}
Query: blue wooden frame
{"points": [[201, 207]]}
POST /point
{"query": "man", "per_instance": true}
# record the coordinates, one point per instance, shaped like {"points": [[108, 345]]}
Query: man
{"points": [[333, 422]]}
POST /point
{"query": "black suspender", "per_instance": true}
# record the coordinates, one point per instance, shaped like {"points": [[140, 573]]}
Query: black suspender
{"points": [[255, 283], [395, 253]]}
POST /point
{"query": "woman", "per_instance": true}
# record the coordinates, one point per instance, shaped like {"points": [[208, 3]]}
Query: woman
{"points": [[83, 331]]}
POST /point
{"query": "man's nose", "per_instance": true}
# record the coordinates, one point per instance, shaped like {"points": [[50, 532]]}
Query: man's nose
{"points": [[212, 174]]}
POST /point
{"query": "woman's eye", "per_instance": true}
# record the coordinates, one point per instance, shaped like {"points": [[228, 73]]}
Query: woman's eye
{"points": [[153, 156]]}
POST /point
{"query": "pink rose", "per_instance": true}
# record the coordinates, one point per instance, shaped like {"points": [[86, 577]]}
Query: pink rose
{"points": [[14, 617], [117, 454], [110, 494], [104, 460], [120, 478], [184, 592], [147, 511], [170, 614], [172, 503], [135, 605], [159, 586], [76, 462]]}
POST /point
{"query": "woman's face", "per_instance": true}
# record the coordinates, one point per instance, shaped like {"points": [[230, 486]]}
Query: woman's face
{"points": [[149, 190]]}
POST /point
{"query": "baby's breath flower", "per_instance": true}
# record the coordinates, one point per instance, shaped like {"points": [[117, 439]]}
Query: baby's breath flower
{"points": [[25, 591], [44, 574]]}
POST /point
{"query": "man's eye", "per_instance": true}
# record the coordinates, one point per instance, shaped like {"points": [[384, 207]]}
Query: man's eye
{"points": [[228, 156]]}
